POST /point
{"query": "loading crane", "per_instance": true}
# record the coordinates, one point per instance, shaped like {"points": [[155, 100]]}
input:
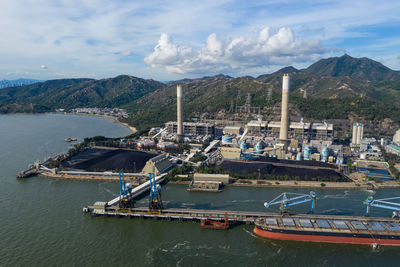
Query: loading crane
{"points": [[385, 203], [126, 201], [155, 203], [287, 200]]}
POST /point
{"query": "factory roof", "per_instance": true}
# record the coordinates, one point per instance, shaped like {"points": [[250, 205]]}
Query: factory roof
{"points": [[258, 123], [274, 124], [277, 124], [395, 147], [161, 162], [322, 126], [187, 123], [300, 125], [232, 127]]}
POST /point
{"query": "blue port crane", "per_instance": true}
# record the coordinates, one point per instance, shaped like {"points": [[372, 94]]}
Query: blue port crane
{"points": [[155, 203], [287, 199], [385, 203], [125, 189], [122, 188]]}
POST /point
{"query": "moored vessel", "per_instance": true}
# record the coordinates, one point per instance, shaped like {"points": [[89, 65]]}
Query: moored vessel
{"points": [[356, 230]]}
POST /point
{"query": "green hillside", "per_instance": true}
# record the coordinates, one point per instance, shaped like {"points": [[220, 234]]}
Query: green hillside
{"points": [[336, 88], [72, 93]]}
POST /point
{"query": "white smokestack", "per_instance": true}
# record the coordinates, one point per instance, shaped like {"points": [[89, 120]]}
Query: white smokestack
{"points": [[360, 133], [354, 137], [179, 94], [283, 134]]}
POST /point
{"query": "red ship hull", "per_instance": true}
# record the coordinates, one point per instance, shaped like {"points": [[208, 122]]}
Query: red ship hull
{"points": [[325, 239]]}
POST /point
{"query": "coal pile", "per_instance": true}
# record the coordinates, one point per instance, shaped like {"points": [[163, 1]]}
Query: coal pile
{"points": [[298, 162], [267, 170], [108, 160]]}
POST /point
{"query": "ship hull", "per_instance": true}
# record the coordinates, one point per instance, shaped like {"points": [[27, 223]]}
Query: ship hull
{"points": [[326, 238]]}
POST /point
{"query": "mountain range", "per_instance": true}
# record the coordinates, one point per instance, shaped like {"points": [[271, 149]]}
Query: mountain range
{"points": [[18, 82], [335, 88]]}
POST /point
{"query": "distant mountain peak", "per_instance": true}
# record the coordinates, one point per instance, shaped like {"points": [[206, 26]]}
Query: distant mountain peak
{"points": [[289, 69], [357, 68]]}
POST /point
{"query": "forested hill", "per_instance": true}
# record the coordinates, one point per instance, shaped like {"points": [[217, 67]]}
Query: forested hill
{"points": [[335, 88], [72, 93]]}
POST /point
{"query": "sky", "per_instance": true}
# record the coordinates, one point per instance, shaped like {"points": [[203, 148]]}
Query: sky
{"points": [[169, 40]]}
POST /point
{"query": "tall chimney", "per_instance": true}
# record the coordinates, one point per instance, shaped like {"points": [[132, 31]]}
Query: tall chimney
{"points": [[354, 137], [283, 134], [360, 132], [179, 94]]}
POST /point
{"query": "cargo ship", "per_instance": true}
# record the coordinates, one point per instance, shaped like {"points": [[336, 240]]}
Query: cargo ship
{"points": [[354, 230]]}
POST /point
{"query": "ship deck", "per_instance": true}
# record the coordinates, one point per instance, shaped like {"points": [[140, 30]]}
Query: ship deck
{"points": [[332, 224]]}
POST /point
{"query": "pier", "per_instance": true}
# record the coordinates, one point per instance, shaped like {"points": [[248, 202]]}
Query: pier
{"points": [[138, 190], [242, 217]]}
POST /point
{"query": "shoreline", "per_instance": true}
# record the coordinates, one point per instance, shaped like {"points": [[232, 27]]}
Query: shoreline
{"points": [[131, 128], [249, 183]]}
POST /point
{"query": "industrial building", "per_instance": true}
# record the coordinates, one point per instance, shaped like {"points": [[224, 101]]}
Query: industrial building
{"points": [[396, 137], [181, 129], [321, 131], [191, 128], [393, 149], [297, 130], [158, 165]]}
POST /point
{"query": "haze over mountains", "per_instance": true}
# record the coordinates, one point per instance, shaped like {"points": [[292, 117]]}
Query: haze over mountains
{"points": [[18, 82], [336, 87]]}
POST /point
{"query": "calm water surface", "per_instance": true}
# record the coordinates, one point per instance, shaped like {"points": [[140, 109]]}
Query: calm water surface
{"points": [[42, 221]]}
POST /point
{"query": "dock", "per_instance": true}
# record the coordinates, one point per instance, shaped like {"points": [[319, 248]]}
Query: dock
{"points": [[138, 190], [240, 217]]}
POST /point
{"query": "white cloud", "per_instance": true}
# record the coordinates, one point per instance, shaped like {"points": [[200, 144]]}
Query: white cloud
{"points": [[126, 53], [94, 37], [43, 67], [268, 48]]}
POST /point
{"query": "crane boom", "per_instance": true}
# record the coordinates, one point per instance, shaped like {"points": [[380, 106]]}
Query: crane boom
{"points": [[287, 200], [383, 203]]}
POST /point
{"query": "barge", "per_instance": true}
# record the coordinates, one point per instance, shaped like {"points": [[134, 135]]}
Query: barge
{"points": [[330, 230]]}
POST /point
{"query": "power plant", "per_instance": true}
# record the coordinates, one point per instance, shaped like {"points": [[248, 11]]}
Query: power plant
{"points": [[283, 139], [283, 134]]}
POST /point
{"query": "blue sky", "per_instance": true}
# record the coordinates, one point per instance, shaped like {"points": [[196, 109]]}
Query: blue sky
{"points": [[167, 40]]}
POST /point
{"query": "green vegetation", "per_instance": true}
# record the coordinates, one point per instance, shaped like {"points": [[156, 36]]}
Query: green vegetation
{"points": [[197, 158], [242, 181], [186, 169], [337, 88], [391, 159]]}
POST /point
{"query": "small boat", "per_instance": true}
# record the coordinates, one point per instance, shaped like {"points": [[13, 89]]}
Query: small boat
{"points": [[211, 224], [73, 139]]}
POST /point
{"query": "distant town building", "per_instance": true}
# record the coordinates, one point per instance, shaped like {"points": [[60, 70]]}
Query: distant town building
{"points": [[112, 112]]}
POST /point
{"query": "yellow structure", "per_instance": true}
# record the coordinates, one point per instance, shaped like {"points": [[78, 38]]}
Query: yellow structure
{"points": [[230, 152], [157, 165]]}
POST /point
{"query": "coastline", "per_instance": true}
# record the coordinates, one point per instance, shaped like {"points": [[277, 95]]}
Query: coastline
{"points": [[248, 183], [133, 129]]}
